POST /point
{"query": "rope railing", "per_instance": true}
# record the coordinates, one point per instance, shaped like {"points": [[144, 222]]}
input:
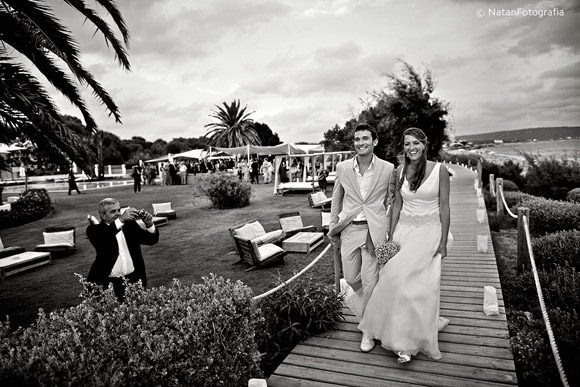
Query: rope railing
{"points": [[524, 229], [551, 337], [285, 283], [500, 193]]}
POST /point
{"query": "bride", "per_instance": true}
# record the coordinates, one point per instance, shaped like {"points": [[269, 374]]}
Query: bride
{"points": [[403, 310]]}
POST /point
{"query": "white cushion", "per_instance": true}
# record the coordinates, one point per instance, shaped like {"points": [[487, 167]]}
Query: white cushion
{"points": [[6, 207], [250, 231], [267, 250], [325, 218], [318, 197], [65, 238], [162, 207], [291, 223], [267, 237]]}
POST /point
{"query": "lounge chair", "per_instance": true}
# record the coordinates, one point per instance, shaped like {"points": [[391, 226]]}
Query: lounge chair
{"points": [[291, 223], [319, 199], [58, 240], [164, 210], [255, 246], [8, 251]]}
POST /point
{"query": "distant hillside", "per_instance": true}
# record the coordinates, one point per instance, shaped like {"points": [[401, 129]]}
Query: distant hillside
{"points": [[519, 135]]}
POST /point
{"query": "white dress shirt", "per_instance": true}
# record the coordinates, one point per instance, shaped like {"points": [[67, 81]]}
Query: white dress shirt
{"points": [[124, 264], [364, 182]]}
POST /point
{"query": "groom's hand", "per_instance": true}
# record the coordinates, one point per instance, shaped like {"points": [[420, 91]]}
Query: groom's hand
{"points": [[335, 241]]}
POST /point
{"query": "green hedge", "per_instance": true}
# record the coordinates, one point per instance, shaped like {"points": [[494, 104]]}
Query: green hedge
{"points": [[32, 205], [535, 363], [202, 335], [226, 191], [558, 249], [510, 186], [301, 309], [561, 288], [573, 195], [551, 215]]}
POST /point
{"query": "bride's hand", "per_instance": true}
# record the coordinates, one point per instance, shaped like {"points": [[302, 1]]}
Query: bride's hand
{"points": [[441, 250]]}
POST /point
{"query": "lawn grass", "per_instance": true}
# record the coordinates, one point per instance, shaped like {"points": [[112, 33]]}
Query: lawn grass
{"points": [[194, 245]]}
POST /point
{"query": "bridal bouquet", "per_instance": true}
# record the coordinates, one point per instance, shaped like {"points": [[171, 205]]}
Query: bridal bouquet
{"points": [[386, 250]]}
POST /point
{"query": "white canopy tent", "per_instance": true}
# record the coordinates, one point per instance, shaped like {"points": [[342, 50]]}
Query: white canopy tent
{"points": [[306, 182]]}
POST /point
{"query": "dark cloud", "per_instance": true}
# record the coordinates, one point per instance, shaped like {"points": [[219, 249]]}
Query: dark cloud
{"points": [[570, 71]]}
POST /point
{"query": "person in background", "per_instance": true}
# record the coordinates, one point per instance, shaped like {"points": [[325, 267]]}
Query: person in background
{"points": [[266, 170], [183, 172], [254, 172], [322, 182], [72, 182], [136, 175]]}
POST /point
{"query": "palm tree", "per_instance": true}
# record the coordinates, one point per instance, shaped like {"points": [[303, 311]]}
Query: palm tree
{"points": [[30, 28], [233, 128]]}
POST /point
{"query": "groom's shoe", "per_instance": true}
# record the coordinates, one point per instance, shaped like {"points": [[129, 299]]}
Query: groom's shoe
{"points": [[367, 343]]}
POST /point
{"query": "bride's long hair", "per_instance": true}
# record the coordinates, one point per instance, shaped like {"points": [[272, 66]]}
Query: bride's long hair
{"points": [[417, 178]]}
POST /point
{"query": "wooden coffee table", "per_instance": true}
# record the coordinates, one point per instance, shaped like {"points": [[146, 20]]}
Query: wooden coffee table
{"points": [[23, 261], [303, 242]]}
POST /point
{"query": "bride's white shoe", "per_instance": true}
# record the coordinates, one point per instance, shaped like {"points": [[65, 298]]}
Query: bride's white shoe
{"points": [[403, 357]]}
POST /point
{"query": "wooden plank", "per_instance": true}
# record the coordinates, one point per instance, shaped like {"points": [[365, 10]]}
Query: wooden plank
{"points": [[389, 360], [398, 374], [469, 355], [287, 374]]}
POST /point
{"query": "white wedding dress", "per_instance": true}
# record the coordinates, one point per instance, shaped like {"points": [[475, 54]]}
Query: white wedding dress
{"points": [[403, 311]]}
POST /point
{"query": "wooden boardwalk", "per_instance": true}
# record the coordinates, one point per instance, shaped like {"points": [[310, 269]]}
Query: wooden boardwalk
{"points": [[476, 348]]}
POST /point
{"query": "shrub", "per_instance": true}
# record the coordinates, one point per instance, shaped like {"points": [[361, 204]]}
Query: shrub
{"points": [[509, 185], [573, 195], [551, 215], [551, 178], [301, 309], [500, 222], [201, 335], [560, 286], [32, 205], [533, 357], [558, 249], [513, 199], [226, 191]]}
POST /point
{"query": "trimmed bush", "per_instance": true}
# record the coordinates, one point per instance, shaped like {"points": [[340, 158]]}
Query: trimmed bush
{"points": [[551, 215], [303, 308], [500, 222], [558, 249], [573, 195], [32, 205], [533, 357], [226, 191], [551, 178], [202, 335], [509, 185], [561, 288], [513, 199]]}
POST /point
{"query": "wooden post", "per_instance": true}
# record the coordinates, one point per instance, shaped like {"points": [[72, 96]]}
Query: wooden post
{"points": [[492, 184], [523, 255], [337, 267], [499, 201], [479, 173]]}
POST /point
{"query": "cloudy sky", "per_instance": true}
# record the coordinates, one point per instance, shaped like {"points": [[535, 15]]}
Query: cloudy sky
{"points": [[305, 65]]}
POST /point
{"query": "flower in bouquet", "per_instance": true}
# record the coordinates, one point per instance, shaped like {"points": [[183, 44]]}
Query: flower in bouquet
{"points": [[386, 250]]}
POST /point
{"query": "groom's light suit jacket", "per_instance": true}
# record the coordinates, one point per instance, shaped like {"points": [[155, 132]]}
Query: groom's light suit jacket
{"points": [[347, 199]]}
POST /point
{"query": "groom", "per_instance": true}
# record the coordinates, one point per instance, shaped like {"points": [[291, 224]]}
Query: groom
{"points": [[361, 193]]}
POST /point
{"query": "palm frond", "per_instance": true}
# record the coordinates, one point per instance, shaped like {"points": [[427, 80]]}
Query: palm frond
{"points": [[60, 80], [109, 35]]}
